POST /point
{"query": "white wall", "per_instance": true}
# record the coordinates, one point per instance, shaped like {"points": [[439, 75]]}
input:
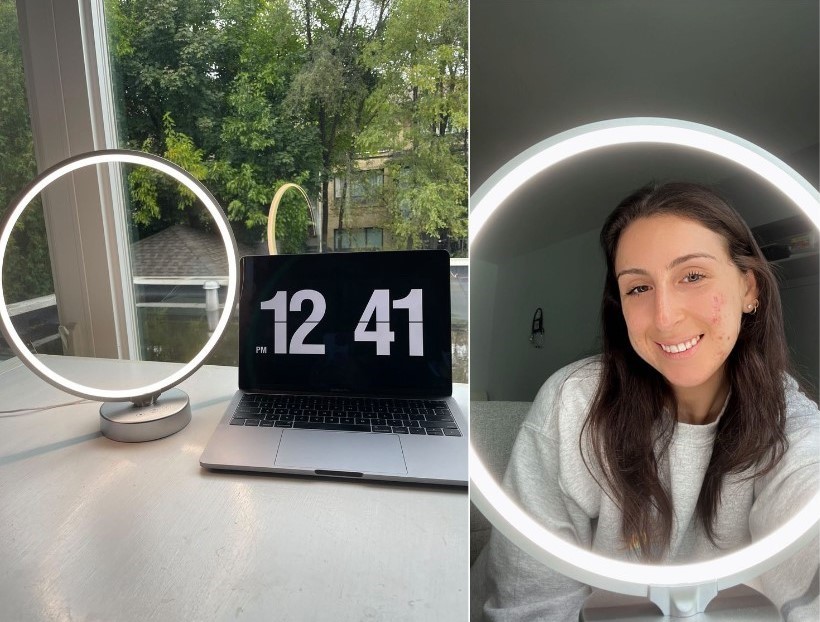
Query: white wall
{"points": [[483, 278], [564, 279], [802, 323]]}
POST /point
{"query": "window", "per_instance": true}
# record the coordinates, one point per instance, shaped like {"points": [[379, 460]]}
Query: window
{"points": [[365, 238], [64, 57], [364, 185], [28, 285], [185, 84], [459, 313]]}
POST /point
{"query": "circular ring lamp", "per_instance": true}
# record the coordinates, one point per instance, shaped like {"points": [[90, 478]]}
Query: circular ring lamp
{"points": [[274, 206], [146, 412], [679, 590]]}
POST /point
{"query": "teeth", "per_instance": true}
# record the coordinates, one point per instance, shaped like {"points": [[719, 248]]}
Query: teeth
{"points": [[681, 347]]}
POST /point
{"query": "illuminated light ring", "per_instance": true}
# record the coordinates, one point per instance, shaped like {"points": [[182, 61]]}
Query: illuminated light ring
{"points": [[274, 206], [518, 526], [127, 157]]}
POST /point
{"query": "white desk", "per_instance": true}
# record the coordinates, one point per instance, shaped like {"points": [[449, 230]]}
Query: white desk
{"points": [[92, 529]]}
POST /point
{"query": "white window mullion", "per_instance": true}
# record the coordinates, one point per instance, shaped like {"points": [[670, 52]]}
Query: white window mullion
{"points": [[112, 193]]}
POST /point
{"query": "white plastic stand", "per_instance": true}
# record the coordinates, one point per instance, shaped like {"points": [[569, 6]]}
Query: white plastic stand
{"points": [[736, 604]]}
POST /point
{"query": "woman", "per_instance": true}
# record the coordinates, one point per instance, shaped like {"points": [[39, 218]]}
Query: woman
{"points": [[686, 438]]}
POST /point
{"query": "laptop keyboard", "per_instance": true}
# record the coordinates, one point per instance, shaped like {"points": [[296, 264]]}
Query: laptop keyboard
{"points": [[347, 414]]}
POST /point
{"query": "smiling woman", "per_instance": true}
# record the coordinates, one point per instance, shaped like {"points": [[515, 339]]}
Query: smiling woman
{"points": [[690, 351], [688, 437]]}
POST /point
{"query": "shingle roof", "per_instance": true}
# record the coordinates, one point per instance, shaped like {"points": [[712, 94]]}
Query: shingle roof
{"points": [[181, 251]]}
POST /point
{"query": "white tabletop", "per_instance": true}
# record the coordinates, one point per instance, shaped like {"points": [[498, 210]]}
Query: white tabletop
{"points": [[93, 529]]}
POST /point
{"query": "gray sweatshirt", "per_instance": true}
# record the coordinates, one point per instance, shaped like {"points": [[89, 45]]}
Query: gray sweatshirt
{"points": [[548, 477]]}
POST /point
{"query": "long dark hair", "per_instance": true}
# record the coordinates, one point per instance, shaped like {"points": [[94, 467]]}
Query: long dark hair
{"points": [[633, 414]]}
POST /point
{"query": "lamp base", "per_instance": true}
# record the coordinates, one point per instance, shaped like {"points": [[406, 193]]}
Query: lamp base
{"points": [[736, 604], [131, 423]]}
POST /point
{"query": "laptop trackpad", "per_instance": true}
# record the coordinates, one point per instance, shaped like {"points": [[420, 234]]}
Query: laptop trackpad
{"points": [[350, 453]]}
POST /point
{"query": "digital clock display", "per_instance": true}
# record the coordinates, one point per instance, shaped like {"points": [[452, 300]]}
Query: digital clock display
{"points": [[348, 323]]}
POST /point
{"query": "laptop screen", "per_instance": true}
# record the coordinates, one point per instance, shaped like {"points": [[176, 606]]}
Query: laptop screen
{"points": [[370, 323]]}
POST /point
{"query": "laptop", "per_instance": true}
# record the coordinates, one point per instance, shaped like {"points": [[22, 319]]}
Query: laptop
{"points": [[345, 370]]}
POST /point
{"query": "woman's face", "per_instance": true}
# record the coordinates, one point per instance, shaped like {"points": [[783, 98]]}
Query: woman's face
{"points": [[682, 297]]}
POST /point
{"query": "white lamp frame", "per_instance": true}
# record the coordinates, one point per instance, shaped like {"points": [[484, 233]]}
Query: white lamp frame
{"points": [[124, 156], [683, 589]]}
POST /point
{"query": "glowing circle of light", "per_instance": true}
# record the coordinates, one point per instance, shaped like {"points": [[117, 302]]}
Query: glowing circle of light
{"points": [[516, 524], [111, 156]]}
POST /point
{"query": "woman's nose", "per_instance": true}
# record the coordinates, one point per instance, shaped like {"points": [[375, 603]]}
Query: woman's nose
{"points": [[667, 308]]}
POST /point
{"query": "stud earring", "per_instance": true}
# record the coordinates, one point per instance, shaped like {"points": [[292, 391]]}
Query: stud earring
{"points": [[753, 307]]}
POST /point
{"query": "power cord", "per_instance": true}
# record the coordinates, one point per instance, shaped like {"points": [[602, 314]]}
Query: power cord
{"points": [[20, 412]]}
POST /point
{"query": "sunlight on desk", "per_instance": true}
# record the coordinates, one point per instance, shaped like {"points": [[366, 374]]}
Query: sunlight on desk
{"points": [[95, 529]]}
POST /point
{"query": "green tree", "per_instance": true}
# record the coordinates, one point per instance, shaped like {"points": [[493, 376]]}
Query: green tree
{"points": [[26, 266], [203, 83], [174, 56], [419, 111], [150, 190], [250, 94], [265, 143], [333, 83]]}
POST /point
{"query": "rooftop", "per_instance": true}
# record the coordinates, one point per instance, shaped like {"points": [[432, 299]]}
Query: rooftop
{"points": [[182, 251]]}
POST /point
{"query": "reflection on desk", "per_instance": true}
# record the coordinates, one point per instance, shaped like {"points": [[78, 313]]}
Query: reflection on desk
{"points": [[93, 529]]}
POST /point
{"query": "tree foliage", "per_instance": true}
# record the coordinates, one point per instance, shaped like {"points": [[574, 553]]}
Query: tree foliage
{"points": [[171, 57], [333, 83], [419, 111], [26, 265], [204, 83], [250, 94]]}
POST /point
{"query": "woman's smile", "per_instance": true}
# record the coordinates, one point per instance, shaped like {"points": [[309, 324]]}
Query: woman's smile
{"points": [[681, 349]]}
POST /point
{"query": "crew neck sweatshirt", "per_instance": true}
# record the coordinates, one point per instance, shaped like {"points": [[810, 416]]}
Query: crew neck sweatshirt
{"points": [[547, 475]]}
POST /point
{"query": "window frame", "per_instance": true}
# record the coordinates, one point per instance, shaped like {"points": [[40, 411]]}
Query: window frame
{"points": [[348, 233], [362, 183], [70, 99]]}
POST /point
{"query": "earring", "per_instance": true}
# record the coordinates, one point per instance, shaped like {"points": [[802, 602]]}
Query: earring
{"points": [[753, 307]]}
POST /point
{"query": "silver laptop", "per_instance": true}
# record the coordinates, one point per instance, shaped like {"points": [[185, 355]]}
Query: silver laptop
{"points": [[345, 370]]}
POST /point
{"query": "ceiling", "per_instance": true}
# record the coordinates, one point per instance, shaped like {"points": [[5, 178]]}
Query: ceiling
{"points": [[748, 67]]}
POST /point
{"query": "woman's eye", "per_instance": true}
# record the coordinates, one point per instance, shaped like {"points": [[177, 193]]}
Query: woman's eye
{"points": [[638, 289], [693, 277]]}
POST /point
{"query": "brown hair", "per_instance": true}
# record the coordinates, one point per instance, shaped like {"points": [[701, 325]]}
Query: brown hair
{"points": [[633, 414]]}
